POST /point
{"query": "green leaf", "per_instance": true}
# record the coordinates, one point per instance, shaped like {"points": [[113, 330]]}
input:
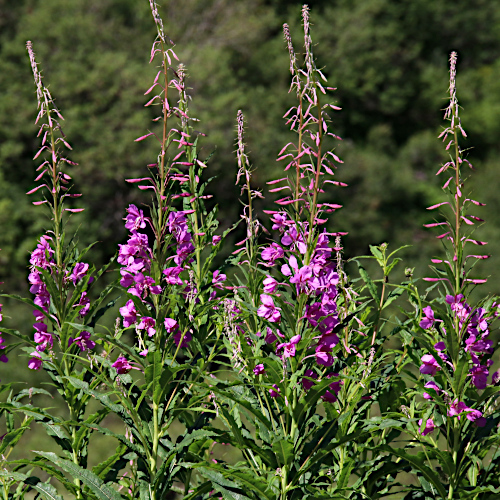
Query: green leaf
{"points": [[93, 482], [153, 373], [418, 463], [46, 489], [284, 451], [369, 283]]}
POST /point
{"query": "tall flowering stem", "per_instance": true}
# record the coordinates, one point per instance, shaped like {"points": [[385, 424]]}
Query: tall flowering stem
{"points": [[281, 328], [311, 163], [62, 343], [454, 349], [458, 266], [172, 291]]}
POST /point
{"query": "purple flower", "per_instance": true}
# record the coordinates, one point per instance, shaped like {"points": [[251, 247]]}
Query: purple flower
{"points": [[135, 219], [216, 239], [324, 349], [430, 385], [455, 302], [456, 408], [479, 375], [274, 392], [143, 285], [43, 254], [83, 341], [184, 250], [268, 310], [307, 384], [172, 275], [302, 277], [440, 346], [147, 323], [177, 222], [129, 314], [479, 344], [477, 417], [259, 369], [42, 338], [85, 302], [293, 238], [170, 325], [271, 336], [289, 347], [428, 321], [79, 272], [429, 427], [270, 284], [35, 362], [218, 278], [3, 357], [331, 397], [185, 339], [430, 366], [122, 365], [272, 253], [280, 221]]}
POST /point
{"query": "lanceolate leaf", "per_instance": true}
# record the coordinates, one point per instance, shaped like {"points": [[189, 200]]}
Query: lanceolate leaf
{"points": [[418, 463], [90, 480], [45, 489]]}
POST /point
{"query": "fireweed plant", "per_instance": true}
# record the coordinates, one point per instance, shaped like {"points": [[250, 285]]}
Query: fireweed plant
{"points": [[304, 343], [454, 413], [288, 366], [63, 320]]}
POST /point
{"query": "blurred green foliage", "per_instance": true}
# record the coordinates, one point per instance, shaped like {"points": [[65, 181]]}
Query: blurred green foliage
{"points": [[388, 59]]}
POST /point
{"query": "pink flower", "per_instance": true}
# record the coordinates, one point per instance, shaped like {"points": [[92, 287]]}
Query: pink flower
{"points": [[35, 363], [307, 384], [270, 285], [289, 347], [430, 385], [430, 366], [268, 310], [216, 239], [429, 427], [147, 323], [170, 325], [79, 271], [428, 321], [274, 392], [259, 369], [280, 221], [172, 275], [85, 302], [42, 338], [218, 278], [82, 341], [135, 219], [129, 314], [123, 366], [272, 253]]}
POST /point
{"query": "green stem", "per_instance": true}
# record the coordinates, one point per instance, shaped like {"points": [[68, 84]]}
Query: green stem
{"points": [[317, 175]]}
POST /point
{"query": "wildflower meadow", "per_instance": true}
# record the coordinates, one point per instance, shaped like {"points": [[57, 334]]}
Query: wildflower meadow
{"points": [[280, 370]]}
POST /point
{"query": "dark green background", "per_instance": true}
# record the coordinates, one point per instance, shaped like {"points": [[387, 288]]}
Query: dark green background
{"points": [[388, 58]]}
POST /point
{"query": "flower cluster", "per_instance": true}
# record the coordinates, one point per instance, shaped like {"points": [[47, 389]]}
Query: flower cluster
{"points": [[178, 227], [317, 280], [473, 325], [41, 258]]}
